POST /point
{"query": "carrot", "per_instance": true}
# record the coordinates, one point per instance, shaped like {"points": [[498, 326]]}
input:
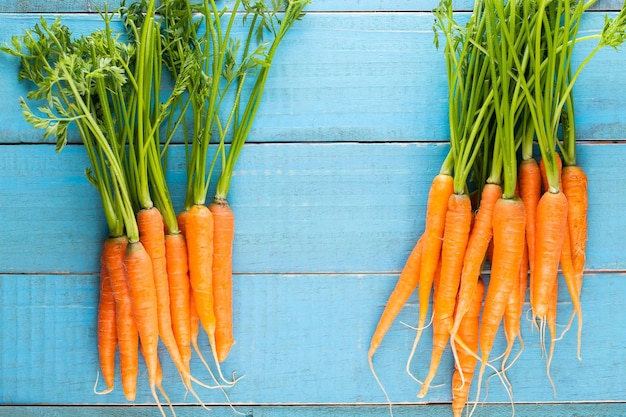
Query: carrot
{"points": [[408, 280], [551, 224], [179, 290], [199, 234], [181, 218], [455, 237], [143, 297], [152, 237], [127, 337], [477, 246], [107, 333], [509, 242], [468, 334], [575, 183], [223, 236], [441, 189], [530, 193]]}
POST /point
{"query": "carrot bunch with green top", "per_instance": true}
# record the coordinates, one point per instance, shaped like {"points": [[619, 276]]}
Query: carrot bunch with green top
{"points": [[160, 276], [510, 78]]}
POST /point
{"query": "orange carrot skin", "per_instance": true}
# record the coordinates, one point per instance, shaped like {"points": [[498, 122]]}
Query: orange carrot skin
{"points": [[143, 297], [199, 235], [127, 336], [530, 192], [441, 189], [477, 245], [509, 228], [515, 304], [551, 223], [179, 287], [468, 334], [575, 183], [223, 236], [455, 237], [181, 219], [408, 280], [107, 333], [152, 236]]}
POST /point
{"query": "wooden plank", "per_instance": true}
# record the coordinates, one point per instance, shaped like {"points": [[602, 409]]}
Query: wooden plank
{"points": [[299, 207], [430, 410], [300, 339], [68, 6], [366, 77]]}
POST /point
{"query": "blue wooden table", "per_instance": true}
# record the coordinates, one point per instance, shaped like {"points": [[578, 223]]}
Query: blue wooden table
{"points": [[329, 195]]}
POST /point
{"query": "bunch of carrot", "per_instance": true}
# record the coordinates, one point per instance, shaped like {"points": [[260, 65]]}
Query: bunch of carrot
{"points": [[510, 79], [162, 274]]}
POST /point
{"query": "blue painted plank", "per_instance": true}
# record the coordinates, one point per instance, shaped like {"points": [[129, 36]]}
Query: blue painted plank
{"points": [[366, 77], [430, 410], [68, 6], [300, 339], [299, 207]]}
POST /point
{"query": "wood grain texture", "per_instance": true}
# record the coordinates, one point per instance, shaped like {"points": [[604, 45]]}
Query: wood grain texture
{"points": [[299, 207], [69, 6], [365, 77], [430, 410], [301, 339]]}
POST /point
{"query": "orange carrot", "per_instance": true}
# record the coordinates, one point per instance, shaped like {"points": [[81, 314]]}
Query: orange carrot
{"points": [[143, 297], [127, 337], [408, 280], [508, 245], [441, 189], [199, 234], [107, 333], [223, 236], [551, 223], [179, 289], [530, 193], [477, 245], [181, 218], [575, 183], [468, 334], [455, 237]]}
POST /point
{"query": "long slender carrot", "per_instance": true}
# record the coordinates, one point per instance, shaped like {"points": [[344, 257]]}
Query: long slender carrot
{"points": [[179, 289], [455, 237], [223, 236], [143, 297], [407, 281], [107, 333], [575, 183], [468, 334], [127, 336], [199, 234], [530, 193], [550, 231], [477, 246], [509, 242], [441, 189]]}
